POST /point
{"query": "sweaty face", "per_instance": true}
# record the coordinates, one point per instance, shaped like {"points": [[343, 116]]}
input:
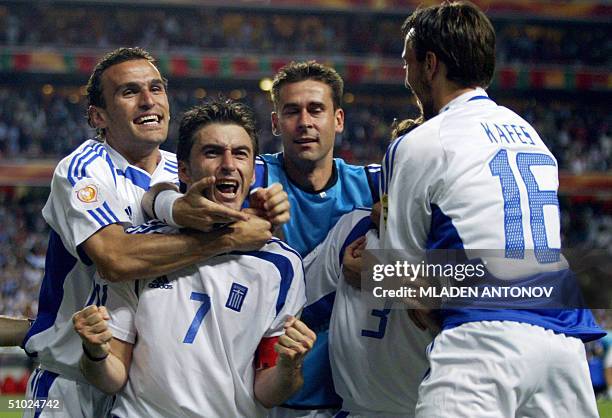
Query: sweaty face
{"points": [[226, 152], [306, 120], [416, 80], [136, 112]]}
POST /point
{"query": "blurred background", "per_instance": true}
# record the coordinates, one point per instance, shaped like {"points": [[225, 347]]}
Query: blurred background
{"points": [[553, 67]]}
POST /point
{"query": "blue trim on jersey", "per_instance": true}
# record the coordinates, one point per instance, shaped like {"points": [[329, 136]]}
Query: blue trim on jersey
{"points": [[284, 267], [146, 228], [75, 162], [58, 263], [577, 323], [479, 98], [169, 170], [137, 177], [96, 218], [172, 164], [110, 212], [390, 162], [318, 314], [359, 230], [374, 175], [43, 385], [77, 169], [442, 234]]}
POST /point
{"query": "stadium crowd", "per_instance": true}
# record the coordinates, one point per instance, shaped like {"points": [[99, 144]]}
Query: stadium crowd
{"points": [[35, 124], [188, 28]]}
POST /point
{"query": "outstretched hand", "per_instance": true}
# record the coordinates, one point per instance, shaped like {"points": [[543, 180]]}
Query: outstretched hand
{"points": [[195, 211]]}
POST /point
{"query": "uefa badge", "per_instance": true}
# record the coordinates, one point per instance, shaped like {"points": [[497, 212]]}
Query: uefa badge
{"points": [[87, 194]]}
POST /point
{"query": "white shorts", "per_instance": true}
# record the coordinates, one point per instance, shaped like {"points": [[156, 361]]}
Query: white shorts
{"points": [[280, 412], [498, 369], [76, 400]]}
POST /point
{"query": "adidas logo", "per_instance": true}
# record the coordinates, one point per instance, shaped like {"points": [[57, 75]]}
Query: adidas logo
{"points": [[160, 283]]}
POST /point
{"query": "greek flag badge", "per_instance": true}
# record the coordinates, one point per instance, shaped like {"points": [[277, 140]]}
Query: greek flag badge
{"points": [[236, 297]]}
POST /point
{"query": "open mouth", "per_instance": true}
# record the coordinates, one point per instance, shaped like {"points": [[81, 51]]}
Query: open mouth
{"points": [[226, 189], [148, 120], [306, 140]]}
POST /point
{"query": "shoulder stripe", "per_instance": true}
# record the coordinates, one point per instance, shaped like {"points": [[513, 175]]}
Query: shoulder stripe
{"points": [[138, 178], [359, 230], [171, 164], [77, 168], [170, 170], [284, 267]]}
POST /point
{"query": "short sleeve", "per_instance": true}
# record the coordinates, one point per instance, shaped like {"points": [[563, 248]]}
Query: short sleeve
{"points": [[121, 303], [83, 198], [294, 297]]}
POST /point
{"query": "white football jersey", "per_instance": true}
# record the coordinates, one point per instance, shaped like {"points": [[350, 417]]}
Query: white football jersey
{"points": [[478, 177], [91, 188], [196, 333], [377, 354]]}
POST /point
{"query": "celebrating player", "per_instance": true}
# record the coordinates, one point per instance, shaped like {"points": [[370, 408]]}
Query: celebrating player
{"points": [[95, 193], [190, 340], [477, 176], [307, 98]]}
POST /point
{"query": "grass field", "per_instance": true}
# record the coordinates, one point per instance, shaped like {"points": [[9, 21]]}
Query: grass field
{"points": [[605, 408]]}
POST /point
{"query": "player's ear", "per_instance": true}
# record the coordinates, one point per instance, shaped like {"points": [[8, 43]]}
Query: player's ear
{"points": [[339, 117], [96, 117], [431, 65], [184, 172], [275, 128]]}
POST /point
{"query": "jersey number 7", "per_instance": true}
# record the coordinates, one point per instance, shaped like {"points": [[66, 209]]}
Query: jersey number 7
{"points": [[199, 316]]}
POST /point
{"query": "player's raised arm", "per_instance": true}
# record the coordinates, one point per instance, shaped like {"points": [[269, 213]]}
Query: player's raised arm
{"points": [[106, 360], [276, 384], [13, 330], [120, 256]]}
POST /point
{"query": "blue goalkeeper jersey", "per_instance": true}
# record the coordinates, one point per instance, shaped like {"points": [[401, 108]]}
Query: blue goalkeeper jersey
{"points": [[313, 215]]}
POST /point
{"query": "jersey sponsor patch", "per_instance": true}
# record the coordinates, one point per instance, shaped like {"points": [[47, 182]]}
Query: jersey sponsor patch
{"points": [[160, 283], [236, 297], [88, 194]]}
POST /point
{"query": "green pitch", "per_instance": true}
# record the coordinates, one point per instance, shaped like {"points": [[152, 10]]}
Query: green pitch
{"points": [[605, 408]]}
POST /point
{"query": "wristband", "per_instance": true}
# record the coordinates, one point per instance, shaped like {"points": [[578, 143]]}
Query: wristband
{"points": [[92, 358], [162, 206]]}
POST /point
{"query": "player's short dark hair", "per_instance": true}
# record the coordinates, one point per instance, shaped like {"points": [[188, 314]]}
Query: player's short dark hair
{"points": [[399, 128], [460, 35], [220, 110], [118, 56], [295, 72]]}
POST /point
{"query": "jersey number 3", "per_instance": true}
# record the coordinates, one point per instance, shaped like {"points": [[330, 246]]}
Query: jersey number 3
{"points": [[537, 199], [199, 316]]}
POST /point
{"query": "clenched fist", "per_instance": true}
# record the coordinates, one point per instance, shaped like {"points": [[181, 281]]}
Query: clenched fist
{"points": [[294, 344], [90, 323]]}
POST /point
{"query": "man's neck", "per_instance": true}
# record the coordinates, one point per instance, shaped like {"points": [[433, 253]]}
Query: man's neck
{"points": [[146, 159], [312, 176], [448, 95]]}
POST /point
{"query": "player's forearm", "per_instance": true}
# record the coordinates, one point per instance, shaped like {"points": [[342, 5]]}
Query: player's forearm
{"points": [[108, 375], [129, 257], [13, 330], [275, 385]]}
